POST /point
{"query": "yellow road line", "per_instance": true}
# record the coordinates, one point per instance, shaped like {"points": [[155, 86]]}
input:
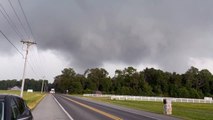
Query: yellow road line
{"points": [[94, 109]]}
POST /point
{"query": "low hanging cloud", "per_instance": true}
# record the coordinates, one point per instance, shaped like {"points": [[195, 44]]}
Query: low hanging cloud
{"points": [[89, 33]]}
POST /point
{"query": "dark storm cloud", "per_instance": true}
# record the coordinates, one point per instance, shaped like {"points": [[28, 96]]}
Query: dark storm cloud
{"points": [[90, 32]]}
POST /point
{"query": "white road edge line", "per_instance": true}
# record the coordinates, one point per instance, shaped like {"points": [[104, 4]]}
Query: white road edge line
{"points": [[63, 109]]}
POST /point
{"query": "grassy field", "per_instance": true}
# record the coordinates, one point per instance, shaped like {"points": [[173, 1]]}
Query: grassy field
{"points": [[32, 99], [187, 111]]}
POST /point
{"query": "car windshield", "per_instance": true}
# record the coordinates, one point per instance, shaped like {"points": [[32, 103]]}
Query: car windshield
{"points": [[1, 110]]}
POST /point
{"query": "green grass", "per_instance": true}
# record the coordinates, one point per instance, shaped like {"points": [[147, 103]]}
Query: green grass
{"points": [[187, 111], [32, 99]]}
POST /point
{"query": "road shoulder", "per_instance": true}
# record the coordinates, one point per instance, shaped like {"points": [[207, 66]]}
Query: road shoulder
{"points": [[48, 109]]}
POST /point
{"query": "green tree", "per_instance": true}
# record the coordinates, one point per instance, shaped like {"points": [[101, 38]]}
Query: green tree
{"points": [[191, 78], [183, 92], [63, 82], [97, 79], [203, 83]]}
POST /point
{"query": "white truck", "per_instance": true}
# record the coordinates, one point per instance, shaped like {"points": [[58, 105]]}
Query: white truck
{"points": [[52, 90]]}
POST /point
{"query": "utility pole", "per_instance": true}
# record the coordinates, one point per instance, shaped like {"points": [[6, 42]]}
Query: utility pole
{"points": [[28, 43], [42, 87]]}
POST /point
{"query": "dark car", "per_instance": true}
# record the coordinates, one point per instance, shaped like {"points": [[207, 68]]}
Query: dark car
{"points": [[14, 108]]}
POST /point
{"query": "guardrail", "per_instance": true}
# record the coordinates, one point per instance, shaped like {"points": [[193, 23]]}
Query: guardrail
{"points": [[146, 98]]}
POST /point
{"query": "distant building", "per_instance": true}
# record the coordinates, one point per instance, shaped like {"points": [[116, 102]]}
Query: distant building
{"points": [[30, 90], [207, 98], [15, 88]]}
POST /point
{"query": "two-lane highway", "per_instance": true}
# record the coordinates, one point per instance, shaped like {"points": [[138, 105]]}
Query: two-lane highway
{"points": [[83, 109]]}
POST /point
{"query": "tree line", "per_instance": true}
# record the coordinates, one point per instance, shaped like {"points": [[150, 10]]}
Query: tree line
{"points": [[149, 82], [29, 84]]}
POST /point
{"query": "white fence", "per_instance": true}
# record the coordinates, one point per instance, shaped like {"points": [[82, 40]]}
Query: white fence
{"points": [[145, 98], [98, 95], [160, 99]]}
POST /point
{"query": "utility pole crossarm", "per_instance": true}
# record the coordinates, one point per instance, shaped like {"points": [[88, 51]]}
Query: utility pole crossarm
{"points": [[28, 43]]}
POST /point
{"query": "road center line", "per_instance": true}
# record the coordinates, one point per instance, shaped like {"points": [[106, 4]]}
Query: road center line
{"points": [[94, 109]]}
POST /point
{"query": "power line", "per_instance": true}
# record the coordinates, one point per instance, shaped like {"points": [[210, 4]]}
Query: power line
{"points": [[26, 18], [42, 61], [11, 43], [31, 67], [38, 59], [15, 28], [17, 17], [8, 19], [34, 64]]}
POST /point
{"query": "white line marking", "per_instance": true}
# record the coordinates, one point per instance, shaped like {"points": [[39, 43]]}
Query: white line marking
{"points": [[63, 109]]}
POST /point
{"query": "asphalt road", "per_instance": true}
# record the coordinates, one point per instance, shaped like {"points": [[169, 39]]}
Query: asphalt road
{"points": [[49, 109], [84, 109]]}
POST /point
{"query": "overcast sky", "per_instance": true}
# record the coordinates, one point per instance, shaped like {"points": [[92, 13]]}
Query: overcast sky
{"points": [[171, 35]]}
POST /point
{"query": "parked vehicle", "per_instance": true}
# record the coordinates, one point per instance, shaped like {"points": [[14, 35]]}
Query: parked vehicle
{"points": [[14, 108]]}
